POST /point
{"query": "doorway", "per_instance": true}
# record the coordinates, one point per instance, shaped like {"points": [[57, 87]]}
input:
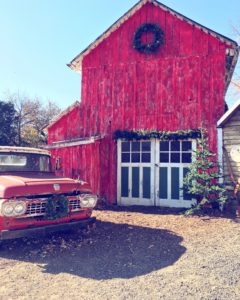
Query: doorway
{"points": [[151, 172]]}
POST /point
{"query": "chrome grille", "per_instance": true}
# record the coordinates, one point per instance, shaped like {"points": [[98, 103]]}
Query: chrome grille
{"points": [[36, 208], [74, 205]]}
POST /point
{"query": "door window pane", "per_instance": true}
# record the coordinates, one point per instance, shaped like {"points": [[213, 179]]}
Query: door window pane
{"points": [[125, 157], [163, 183], [146, 157], [164, 157], [175, 183], [146, 146], [125, 146], [135, 157], [136, 146], [147, 182], [124, 182], [186, 157], [186, 146], [164, 146], [175, 157], [135, 182], [175, 146]]}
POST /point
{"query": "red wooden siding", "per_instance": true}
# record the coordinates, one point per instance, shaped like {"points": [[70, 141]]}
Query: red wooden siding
{"points": [[83, 161], [66, 128], [181, 86]]}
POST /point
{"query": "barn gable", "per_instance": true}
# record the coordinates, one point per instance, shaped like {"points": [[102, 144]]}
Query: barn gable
{"points": [[166, 19]]}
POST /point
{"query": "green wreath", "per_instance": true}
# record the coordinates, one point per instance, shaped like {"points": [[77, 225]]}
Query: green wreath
{"points": [[149, 47], [56, 207]]}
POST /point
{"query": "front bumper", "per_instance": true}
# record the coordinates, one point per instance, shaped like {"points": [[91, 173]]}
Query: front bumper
{"points": [[44, 230]]}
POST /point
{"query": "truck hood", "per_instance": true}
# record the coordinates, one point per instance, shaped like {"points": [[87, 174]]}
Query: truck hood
{"points": [[17, 185]]}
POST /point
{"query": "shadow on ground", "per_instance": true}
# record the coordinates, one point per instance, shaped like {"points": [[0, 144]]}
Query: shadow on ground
{"points": [[111, 251], [153, 210]]}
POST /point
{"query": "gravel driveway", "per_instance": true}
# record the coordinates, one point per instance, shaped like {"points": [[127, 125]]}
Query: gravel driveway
{"points": [[132, 254]]}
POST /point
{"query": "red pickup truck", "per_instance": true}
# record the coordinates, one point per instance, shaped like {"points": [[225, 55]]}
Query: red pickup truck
{"points": [[33, 201]]}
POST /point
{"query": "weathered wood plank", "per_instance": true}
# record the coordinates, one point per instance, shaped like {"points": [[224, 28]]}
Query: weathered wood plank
{"points": [[234, 137], [230, 142]]}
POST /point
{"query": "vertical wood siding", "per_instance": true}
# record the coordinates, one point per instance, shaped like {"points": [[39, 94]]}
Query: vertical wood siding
{"points": [[231, 137], [80, 161], [179, 87]]}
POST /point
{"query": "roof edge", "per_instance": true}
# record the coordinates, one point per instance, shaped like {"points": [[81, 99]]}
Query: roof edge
{"points": [[228, 114], [74, 142], [231, 68]]}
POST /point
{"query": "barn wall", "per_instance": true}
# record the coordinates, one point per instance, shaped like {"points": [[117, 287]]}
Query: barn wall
{"points": [[80, 162], [231, 137], [181, 86], [66, 128]]}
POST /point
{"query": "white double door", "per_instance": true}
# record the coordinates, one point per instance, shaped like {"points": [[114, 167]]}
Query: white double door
{"points": [[151, 172]]}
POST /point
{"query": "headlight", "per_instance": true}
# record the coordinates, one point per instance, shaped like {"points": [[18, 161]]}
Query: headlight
{"points": [[20, 208], [8, 209], [88, 201], [13, 208]]}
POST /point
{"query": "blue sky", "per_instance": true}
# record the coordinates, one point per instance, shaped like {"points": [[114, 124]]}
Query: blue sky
{"points": [[39, 37]]}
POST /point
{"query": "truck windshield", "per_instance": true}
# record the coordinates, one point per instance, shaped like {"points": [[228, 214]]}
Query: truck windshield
{"points": [[22, 162]]}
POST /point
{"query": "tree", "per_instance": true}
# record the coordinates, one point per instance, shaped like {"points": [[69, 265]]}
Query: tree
{"points": [[202, 180], [33, 117], [8, 124]]}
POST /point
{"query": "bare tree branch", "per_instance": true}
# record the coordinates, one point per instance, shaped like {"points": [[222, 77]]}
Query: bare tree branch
{"points": [[33, 117]]}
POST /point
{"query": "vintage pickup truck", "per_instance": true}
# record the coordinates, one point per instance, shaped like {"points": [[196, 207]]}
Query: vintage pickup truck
{"points": [[33, 201]]}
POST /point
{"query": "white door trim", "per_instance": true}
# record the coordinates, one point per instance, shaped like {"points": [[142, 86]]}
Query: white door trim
{"points": [[125, 201], [154, 186]]}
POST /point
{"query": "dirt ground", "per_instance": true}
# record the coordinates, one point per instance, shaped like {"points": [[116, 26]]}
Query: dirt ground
{"points": [[133, 253]]}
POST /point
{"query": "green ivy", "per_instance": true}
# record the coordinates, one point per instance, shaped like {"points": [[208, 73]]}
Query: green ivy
{"points": [[154, 134]]}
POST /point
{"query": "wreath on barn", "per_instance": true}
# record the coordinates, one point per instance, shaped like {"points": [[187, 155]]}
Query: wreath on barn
{"points": [[148, 47], [56, 208]]}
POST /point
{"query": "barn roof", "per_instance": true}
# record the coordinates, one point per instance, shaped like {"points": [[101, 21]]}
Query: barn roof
{"points": [[228, 114], [232, 54]]}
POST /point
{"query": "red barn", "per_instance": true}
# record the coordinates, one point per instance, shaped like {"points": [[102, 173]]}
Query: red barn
{"points": [[156, 71]]}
